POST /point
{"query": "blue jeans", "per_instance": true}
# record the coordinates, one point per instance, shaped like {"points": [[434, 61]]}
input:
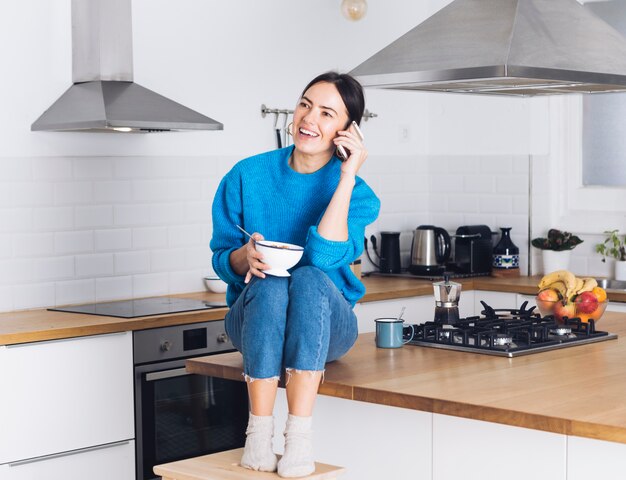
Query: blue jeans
{"points": [[298, 322]]}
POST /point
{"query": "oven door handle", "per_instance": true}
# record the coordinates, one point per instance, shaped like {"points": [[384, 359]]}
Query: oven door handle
{"points": [[176, 372]]}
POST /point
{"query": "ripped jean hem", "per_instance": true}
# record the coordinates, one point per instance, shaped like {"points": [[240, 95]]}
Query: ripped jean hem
{"points": [[248, 379], [289, 371]]}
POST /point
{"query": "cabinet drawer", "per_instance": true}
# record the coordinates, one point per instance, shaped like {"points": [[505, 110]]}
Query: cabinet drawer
{"points": [[105, 462], [64, 395]]}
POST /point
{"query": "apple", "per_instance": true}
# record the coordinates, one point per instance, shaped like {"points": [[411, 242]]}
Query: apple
{"points": [[548, 295], [564, 310], [586, 302]]}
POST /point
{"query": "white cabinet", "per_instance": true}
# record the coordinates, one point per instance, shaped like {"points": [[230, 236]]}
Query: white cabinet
{"points": [[616, 307], [105, 462], [475, 450], [65, 395], [373, 442], [596, 459]]}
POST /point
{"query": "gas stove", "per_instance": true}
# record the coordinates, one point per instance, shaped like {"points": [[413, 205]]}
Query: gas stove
{"points": [[505, 333]]}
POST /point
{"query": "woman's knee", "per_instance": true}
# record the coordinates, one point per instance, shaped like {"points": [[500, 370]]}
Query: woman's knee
{"points": [[307, 279]]}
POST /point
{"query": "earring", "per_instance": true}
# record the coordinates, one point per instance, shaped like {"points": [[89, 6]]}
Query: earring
{"points": [[290, 129]]}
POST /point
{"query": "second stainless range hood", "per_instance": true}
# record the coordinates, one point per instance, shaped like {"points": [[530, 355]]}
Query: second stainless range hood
{"points": [[503, 47], [103, 97]]}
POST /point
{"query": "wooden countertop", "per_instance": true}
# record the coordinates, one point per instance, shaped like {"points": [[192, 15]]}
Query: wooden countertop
{"points": [[37, 325], [577, 391]]}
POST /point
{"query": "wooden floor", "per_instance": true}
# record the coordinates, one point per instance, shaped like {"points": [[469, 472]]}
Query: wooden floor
{"points": [[225, 466]]}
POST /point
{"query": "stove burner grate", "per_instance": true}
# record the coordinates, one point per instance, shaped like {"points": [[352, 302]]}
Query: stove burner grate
{"points": [[505, 332]]}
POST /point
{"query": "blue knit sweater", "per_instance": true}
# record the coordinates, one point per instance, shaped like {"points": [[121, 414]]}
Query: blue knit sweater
{"points": [[263, 194]]}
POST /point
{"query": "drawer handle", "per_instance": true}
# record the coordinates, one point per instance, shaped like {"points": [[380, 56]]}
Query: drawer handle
{"points": [[176, 372], [66, 454]]}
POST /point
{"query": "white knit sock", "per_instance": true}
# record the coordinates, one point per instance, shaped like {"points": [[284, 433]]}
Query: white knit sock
{"points": [[298, 458], [258, 453]]}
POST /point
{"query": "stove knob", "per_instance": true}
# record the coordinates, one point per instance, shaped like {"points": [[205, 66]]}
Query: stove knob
{"points": [[222, 338], [166, 346]]}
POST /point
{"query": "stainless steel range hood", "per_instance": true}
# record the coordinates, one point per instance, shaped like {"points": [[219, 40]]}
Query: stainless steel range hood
{"points": [[104, 97], [503, 47]]}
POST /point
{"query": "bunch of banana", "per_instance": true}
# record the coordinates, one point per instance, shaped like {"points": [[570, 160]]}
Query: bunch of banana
{"points": [[567, 284]]}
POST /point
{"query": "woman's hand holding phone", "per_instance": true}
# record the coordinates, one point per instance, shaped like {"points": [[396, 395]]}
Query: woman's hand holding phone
{"points": [[354, 152]]}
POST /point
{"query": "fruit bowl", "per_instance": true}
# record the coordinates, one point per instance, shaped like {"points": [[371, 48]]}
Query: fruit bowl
{"points": [[581, 309]]}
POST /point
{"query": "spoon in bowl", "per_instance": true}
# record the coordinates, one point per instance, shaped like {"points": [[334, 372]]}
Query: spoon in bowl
{"points": [[253, 239]]}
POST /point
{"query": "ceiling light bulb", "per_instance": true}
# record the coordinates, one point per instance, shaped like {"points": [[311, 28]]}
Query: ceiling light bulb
{"points": [[354, 9]]}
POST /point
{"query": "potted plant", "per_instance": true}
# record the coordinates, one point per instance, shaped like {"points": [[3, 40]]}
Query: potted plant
{"points": [[614, 246], [556, 249]]}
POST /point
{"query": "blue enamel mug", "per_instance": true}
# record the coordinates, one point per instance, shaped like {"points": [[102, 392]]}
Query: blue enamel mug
{"points": [[389, 333]]}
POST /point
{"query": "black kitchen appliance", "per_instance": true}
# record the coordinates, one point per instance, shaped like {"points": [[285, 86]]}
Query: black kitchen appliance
{"points": [[505, 333], [389, 252], [141, 307], [430, 250], [177, 414], [473, 249]]}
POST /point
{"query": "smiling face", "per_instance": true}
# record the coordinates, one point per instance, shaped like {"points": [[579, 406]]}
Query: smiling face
{"points": [[320, 113]]}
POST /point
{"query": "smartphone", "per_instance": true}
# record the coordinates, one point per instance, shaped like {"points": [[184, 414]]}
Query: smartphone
{"points": [[342, 152]]}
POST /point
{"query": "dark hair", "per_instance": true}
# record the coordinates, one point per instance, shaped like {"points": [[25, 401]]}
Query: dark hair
{"points": [[349, 89]]}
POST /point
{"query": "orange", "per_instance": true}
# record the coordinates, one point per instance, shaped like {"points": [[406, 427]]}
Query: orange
{"points": [[600, 293]]}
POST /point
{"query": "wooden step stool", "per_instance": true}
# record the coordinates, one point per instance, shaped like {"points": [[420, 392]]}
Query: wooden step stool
{"points": [[225, 466]]}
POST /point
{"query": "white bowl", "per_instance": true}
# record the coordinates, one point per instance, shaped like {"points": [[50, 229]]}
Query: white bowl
{"points": [[215, 284], [279, 256]]}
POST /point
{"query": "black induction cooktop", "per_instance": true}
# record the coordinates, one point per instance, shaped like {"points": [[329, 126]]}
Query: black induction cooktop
{"points": [[142, 307]]}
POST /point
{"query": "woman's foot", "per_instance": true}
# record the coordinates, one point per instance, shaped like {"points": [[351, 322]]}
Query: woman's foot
{"points": [[258, 453], [298, 458]]}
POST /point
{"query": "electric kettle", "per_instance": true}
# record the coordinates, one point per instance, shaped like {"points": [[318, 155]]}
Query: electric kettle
{"points": [[430, 250]]}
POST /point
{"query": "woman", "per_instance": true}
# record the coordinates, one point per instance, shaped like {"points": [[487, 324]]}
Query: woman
{"points": [[305, 195]]}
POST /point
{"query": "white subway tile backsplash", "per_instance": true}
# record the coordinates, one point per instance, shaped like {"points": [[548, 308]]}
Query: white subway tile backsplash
{"points": [[53, 268], [198, 257], [131, 215], [463, 165], [166, 213], [16, 219], [478, 184], [35, 295], [94, 265], [75, 292], [24, 194], [149, 237], [167, 259], [52, 219], [520, 205], [92, 167], [16, 270], [495, 204], [93, 216], [496, 164], [150, 284], [444, 183], [6, 299], [112, 192], [114, 288], [150, 167], [184, 235], [115, 239], [6, 246], [132, 262], [189, 281], [51, 168], [33, 244], [73, 242], [197, 212], [463, 203], [166, 190], [512, 184], [73, 193], [16, 169]]}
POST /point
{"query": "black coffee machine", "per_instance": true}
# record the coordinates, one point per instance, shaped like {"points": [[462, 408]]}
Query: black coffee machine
{"points": [[473, 248]]}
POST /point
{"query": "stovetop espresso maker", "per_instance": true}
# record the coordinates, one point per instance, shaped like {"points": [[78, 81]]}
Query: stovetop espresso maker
{"points": [[447, 296]]}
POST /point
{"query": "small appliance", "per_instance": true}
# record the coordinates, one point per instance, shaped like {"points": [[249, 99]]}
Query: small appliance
{"points": [[473, 248], [390, 252], [430, 250]]}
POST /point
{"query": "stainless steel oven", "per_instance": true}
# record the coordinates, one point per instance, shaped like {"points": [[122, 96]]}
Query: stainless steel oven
{"points": [[180, 415]]}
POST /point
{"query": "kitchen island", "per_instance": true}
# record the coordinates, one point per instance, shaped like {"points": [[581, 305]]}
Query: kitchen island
{"points": [[575, 394]]}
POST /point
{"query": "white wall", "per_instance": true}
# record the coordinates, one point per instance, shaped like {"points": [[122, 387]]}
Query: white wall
{"points": [[88, 217]]}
